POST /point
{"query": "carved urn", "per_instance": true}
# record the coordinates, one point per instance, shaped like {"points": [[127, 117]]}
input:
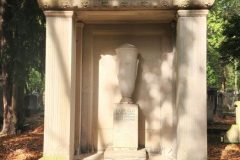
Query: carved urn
{"points": [[127, 59]]}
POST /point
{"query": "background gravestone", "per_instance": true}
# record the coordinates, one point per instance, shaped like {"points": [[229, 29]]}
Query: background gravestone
{"points": [[211, 103]]}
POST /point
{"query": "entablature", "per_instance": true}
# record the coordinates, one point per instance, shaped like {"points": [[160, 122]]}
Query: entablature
{"points": [[124, 4]]}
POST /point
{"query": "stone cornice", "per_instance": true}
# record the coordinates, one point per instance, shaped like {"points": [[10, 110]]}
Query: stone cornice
{"points": [[59, 14], [192, 13], [193, 4], [123, 4]]}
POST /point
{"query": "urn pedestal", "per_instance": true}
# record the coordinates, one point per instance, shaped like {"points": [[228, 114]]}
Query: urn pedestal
{"points": [[125, 134], [125, 129]]}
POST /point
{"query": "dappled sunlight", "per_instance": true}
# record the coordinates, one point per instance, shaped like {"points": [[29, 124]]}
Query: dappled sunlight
{"points": [[108, 95], [21, 139], [191, 86], [223, 151], [231, 150], [154, 90], [108, 90], [152, 81], [159, 82], [21, 154], [60, 70], [168, 113], [56, 142], [27, 146], [153, 141], [60, 84], [90, 156]]}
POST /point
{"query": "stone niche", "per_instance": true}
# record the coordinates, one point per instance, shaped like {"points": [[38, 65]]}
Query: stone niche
{"points": [[154, 92], [82, 88]]}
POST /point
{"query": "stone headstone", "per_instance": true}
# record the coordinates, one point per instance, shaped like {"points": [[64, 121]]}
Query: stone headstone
{"points": [[233, 134]]}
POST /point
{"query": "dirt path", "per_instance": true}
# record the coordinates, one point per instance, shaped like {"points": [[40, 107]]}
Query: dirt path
{"points": [[21, 147], [223, 151]]}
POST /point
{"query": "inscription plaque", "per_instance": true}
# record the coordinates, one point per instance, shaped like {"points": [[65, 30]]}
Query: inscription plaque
{"points": [[125, 121], [124, 114]]}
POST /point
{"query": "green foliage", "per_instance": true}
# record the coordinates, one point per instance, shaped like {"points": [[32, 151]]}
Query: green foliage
{"points": [[229, 72], [230, 48], [215, 38], [35, 82], [223, 43], [212, 77]]}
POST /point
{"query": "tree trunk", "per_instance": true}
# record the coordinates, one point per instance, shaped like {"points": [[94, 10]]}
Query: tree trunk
{"points": [[9, 117], [235, 77], [5, 107], [18, 104], [13, 117], [224, 80]]}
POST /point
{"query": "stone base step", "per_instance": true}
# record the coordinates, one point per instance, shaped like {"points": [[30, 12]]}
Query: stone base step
{"points": [[100, 156], [90, 156], [111, 154]]}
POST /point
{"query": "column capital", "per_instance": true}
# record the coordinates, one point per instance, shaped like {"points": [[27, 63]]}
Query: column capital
{"points": [[192, 13], [59, 13]]}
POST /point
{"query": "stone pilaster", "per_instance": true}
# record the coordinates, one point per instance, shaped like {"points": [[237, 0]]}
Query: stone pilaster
{"points": [[191, 85], [60, 86], [79, 46]]}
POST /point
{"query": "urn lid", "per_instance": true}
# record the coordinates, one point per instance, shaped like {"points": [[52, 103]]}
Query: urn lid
{"points": [[127, 46]]}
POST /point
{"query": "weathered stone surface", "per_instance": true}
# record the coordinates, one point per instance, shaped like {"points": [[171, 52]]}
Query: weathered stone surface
{"points": [[125, 127], [60, 87], [126, 155], [232, 135], [127, 58], [237, 104], [191, 85], [155, 99], [155, 88], [184, 4], [119, 4]]}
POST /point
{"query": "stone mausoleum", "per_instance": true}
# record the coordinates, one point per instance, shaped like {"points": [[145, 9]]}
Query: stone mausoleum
{"points": [[168, 119]]}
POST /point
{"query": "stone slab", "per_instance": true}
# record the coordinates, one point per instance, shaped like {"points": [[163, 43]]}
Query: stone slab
{"points": [[125, 127], [90, 156], [111, 154]]}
